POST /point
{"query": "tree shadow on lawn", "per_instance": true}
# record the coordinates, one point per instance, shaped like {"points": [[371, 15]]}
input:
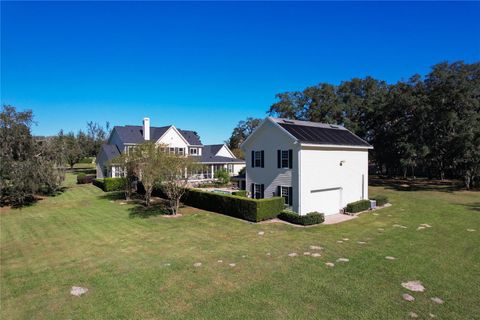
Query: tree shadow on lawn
{"points": [[157, 208], [415, 185], [113, 196], [475, 206]]}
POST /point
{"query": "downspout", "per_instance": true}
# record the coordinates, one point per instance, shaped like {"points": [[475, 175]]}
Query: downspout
{"points": [[299, 170]]}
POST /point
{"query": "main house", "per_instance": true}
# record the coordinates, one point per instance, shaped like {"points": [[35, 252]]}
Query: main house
{"points": [[314, 166], [182, 142]]}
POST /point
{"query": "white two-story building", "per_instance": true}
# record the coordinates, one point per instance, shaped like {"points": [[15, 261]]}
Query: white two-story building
{"points": [[314, 166], [181, 142]]}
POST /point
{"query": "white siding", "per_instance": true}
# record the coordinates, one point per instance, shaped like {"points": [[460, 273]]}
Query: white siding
{"points": [[173, 139], [321, 169], [237, 167], [224, 152], [270, 138]]}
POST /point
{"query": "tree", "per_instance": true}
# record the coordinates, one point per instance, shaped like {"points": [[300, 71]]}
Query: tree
{"points": [[240, 133], [27, 166], [222, 176], [176, 178]]}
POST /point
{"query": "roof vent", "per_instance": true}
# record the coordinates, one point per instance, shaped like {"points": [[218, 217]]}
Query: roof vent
{"points": [[288, 121], [334, 127]]}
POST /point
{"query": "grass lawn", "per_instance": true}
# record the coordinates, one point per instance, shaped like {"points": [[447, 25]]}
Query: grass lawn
{"points": [[142, 268]]}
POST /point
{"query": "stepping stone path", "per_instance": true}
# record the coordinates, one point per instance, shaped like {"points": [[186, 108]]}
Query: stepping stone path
{"points": [[471, 230], [316, 248], [166, 264], [244, 256], [361, 242], [197, 264], [437, 300], [413, 314], [390, 258], [408, 297], [413, 286], [399, 226], [339, 241], [375, 214], [330, 264], [306, 253], [345, 239], [232, 265], [316, 255], [426, 225], [219, 261], [261, 233], [293, 254], [78, 291], [380, 229], [420, 228], [268, 253], [122, 203], [432, 315], [342, 260]]}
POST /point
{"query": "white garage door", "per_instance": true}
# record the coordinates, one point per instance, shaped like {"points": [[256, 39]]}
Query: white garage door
{"points": [[327, 201]]}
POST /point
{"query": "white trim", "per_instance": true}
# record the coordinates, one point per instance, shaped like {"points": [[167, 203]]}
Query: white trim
{"points": [[178, 132], [228, 149], [334, 146]]}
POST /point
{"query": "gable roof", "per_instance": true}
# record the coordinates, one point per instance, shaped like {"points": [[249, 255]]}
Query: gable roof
{"points": [[134, 134], [111, 151], [320, 133], [209, 155]]}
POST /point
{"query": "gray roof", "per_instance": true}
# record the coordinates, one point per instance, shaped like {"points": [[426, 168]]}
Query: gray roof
{"points": [[321, 133], [111, 151], [209, 155], [134, 134]]}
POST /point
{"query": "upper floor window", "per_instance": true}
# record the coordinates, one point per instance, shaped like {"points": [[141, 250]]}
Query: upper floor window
{"points": [[258, 159], [193, 151], [284, 158]]}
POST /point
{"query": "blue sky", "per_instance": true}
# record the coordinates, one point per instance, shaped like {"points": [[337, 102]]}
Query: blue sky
{"points": [[205, 66]]}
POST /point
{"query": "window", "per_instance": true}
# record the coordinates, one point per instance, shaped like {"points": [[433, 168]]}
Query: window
{"points": [[258, 159], [180, 151], [257, 191], [171, 150], [284, 158], [230, 168], [193, 151], [285, 193]]}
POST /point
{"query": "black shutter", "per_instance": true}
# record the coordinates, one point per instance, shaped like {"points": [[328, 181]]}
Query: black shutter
{"points": [[290, 158], [253, 191], [279, 158], [263, 159], [290, 195], [253, 159], [279, 194], [262, 191]]}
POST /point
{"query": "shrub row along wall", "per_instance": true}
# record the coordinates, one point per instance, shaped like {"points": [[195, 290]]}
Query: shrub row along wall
{"points": [[306, 220], [236, 206], [381, 200], [110, 184], [358, 206]]}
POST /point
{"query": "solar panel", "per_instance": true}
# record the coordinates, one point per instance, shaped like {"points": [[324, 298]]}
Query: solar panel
{"points": [[321, 135]]}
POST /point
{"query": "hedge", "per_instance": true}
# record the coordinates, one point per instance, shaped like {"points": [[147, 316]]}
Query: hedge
{"points": [[381, 200], [82, 178], [110, 184], [358, 206], [240, 207], [240, 193], [306, 220]]}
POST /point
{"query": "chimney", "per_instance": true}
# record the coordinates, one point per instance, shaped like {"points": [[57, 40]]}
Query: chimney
{"points": [[146, 129]]}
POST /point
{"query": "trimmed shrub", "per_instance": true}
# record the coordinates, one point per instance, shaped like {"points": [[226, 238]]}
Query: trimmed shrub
{"points": [[306, 220], [82, 178], [358, 206], [240, 193], [240, 207], [381, 200], [222, 176], [110, 184]]}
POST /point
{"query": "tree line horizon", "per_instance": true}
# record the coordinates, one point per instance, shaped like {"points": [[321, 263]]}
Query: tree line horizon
{"points": [[426, 125]]}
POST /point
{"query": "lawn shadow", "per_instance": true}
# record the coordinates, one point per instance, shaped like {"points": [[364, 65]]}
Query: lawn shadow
{"points": [[415, 185], [475, 206], [156, 208], [113, 196]]}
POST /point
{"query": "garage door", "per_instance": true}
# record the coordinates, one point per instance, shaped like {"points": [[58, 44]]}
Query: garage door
{"points": [[327, 201]]}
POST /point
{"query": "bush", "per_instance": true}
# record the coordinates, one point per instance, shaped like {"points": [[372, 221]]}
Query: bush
{"points": [[240, 207], [82, 178], [306, 220], [381, 200], [110, 184], [358, 206], [240, 193], [222, 176]]}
